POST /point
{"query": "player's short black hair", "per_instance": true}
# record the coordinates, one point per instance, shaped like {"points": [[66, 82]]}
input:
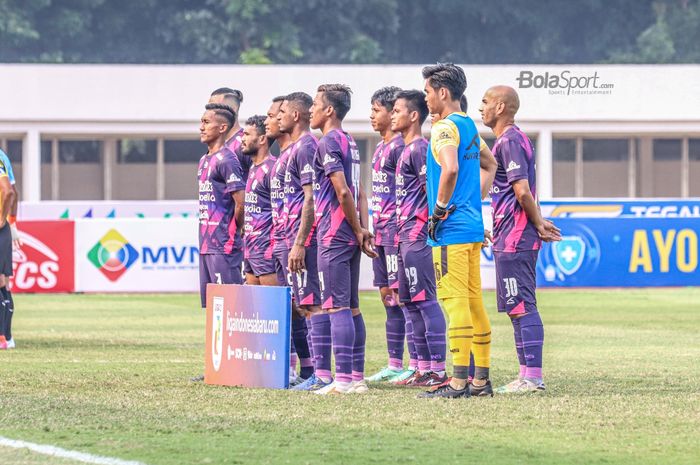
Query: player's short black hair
{"points": [[447, 75], [228, 91], [300, 100], [337, 96], [386, 96], [279, 98], [463, 103], [225, 111], [415, 101], [257, 121]]}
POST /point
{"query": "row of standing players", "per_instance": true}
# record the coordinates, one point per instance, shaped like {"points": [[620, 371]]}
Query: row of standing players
{"points": [[304, 222]]}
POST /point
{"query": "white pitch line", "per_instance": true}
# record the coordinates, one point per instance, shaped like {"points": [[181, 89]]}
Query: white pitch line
{"points": [[54, 451]]}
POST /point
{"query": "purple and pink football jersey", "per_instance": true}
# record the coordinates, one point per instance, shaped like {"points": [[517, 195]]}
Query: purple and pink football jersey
{"points": [[219, 176], [279, 171], [512, 231], [384, 163], [411, 197], [336, 151], [258, 211], [299, 173]]}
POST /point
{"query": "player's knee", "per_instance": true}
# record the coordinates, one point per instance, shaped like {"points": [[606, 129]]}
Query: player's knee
{"points": [[3, 280], [389, 299], [268, 279], [458, 312], [481, 321], [530, 319]]}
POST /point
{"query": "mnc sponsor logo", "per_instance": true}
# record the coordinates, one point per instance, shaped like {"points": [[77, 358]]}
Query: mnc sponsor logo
{"points": [[565, 83]]}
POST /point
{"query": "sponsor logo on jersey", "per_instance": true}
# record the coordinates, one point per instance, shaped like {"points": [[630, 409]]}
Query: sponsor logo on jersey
{"points": [[512, 166]]}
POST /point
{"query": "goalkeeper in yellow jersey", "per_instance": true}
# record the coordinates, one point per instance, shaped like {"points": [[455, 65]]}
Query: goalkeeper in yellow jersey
{"points": [[460, 171]]}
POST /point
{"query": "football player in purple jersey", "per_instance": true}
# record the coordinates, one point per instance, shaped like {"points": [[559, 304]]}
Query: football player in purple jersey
{"points": [[417, 289], [300, 229], [259, 266], [342, 216], [385, 266], [518, 232], [300, 345], [221, 201]]}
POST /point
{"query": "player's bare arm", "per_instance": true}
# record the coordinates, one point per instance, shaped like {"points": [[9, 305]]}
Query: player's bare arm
{"points": [[546, 229], [347, 203], [448, 177], [298, 252], [368, 244], [239, 213], [8, 196], [446, 186], [16, 241]]}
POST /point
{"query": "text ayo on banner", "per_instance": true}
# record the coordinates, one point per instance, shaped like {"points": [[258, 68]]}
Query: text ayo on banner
{"points": [[610, 252]]}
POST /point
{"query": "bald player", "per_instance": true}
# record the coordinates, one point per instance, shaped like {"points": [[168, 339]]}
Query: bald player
{"points": [[518, 231]]}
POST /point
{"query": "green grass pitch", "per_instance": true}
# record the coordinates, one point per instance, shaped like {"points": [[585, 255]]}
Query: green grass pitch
{"points": [[109, 375]]}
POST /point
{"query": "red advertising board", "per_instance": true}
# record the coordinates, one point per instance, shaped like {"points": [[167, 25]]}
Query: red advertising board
{"points": [[46, 260]]}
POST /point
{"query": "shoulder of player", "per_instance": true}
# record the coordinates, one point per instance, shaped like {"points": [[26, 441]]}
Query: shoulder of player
{"points": [[333, 137], [267, 165], [445, 129], [396, 145], [308, 141], [286, 151], [419, 145], [417, 149], [330, 143], [225, 153], [513, 137]]}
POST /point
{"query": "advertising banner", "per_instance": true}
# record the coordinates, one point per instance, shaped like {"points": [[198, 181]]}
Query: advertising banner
{"points": [[247, 336], [45, 261], [630, 252], [620, 208], [74, 209], [136, 255]]}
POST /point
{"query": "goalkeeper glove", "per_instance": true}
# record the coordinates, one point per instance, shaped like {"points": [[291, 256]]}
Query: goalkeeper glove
{"points": [[439, 214]]}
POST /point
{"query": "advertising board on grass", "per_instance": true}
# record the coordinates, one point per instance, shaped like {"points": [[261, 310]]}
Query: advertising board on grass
{"points": [[45, 261], [136, 255], [247, 336]]}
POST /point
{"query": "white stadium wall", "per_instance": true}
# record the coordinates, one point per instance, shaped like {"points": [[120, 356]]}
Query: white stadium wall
{"points": [[587, 121], [600, 131]]}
